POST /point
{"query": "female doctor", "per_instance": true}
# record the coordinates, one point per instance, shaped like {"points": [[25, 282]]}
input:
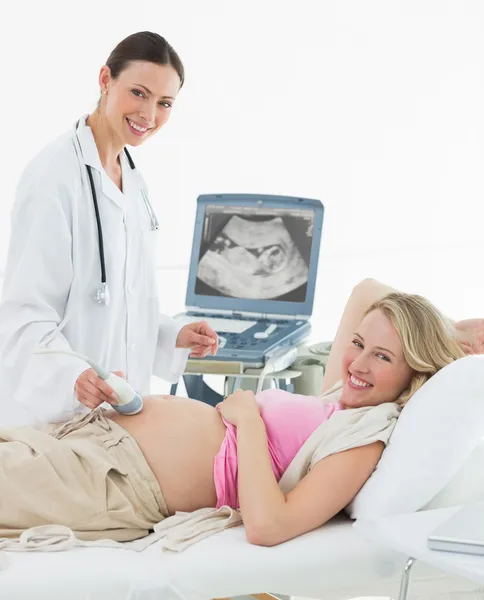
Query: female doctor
{"points": [[80, 271]]}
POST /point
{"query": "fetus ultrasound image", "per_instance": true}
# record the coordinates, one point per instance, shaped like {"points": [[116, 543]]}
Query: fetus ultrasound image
{"points": [[255, 256]]}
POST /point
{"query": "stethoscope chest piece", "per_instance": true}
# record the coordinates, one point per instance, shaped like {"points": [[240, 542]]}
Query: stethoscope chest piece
{"points": [[101, 295]]}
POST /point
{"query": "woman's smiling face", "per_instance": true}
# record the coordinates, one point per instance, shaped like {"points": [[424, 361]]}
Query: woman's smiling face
{"points": [[374, 367], [138, 103]]}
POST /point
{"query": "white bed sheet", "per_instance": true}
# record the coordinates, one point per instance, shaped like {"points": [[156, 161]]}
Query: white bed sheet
{"points": [[85, 574], [333, 563]]}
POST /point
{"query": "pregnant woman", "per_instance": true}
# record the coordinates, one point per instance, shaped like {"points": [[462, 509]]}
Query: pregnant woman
{"points": [[109, 475]]}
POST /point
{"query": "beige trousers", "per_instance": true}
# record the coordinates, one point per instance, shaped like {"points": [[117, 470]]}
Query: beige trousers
{"points": [[88, 474]]}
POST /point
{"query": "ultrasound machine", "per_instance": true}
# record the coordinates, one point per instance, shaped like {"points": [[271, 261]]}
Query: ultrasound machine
{"points": [[252, 275]]}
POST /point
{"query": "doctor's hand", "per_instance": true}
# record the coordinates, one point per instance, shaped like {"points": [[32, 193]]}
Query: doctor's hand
{"points": [[200, 337], [238, 407], [92, 391]]}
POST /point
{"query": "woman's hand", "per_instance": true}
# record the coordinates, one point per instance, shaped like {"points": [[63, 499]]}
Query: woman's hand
{"points": [[200, 337], [239, 406], [470, 333], [92, 391]]}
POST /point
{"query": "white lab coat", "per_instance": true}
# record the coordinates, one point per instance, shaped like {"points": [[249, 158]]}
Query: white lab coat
{"points": [[52, 272]]}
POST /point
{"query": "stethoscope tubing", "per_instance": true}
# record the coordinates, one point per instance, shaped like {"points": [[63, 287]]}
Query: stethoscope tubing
{"points": [[99, 227], [102, 296]]}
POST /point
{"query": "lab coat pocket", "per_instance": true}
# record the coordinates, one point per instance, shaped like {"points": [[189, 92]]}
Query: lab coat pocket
{"points": [[149, 263]]}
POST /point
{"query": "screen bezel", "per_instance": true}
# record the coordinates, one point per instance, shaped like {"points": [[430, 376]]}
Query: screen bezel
{"points": [[250, 305]]}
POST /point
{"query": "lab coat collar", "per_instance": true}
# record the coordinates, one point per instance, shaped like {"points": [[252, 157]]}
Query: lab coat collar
{"points": [[90, 156]]}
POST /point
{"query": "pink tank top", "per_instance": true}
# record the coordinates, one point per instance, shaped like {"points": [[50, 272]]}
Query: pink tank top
{"points": [[289, 419]]}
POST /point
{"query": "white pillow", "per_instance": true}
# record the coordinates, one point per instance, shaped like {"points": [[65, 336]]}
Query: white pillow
{"points": [[437, 431], [466, 486]]}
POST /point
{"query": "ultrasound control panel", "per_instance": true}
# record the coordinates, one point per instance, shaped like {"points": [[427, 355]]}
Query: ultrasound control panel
{"points": [[259, 340]]}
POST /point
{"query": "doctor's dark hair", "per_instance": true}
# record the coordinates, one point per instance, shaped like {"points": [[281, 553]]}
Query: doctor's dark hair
{"points": [[145, 46]]}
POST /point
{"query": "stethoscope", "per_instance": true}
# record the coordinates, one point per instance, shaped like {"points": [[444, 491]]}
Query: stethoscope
{"points": [[101, 295]]}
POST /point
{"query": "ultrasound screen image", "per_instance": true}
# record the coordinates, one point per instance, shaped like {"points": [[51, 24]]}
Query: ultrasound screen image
{"points": [[255, 253]]}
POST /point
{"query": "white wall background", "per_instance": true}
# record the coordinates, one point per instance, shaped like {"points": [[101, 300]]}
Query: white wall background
{"points": [[373, 106]]}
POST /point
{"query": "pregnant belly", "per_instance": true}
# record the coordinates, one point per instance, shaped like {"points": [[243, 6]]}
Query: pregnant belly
{"points": [[179, 438]]}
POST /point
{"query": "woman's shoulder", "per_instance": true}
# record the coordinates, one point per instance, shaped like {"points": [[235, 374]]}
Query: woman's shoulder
{"points": [[333, 394], [51, 180], [52, 167]]}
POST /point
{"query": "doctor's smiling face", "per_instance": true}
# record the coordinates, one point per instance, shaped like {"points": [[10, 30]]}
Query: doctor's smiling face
{"points": [[139, 84], [138, 102]]}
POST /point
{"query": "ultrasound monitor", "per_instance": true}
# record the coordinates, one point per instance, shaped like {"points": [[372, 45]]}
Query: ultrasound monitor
{"points": [[255, 253]]}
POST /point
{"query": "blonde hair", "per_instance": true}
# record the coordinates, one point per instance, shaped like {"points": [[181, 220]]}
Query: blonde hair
{"points": [[428, 337]]}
